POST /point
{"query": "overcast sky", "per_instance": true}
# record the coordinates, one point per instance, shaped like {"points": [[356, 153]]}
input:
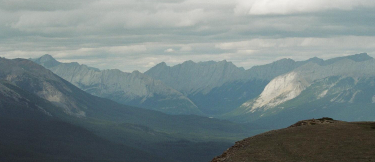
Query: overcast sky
{"points": [[138, 34]]}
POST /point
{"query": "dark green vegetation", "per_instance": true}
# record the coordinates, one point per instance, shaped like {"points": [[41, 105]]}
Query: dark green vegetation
{"points": [[38, 140], [29, 133], [31, 94], [311, 140]]}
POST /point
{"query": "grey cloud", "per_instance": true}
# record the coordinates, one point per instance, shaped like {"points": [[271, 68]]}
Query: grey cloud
{"points": [[41, 5], [277, 7], [135, 34]]}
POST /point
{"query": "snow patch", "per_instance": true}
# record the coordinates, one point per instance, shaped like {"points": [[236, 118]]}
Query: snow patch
{"points": [[373, 99]]}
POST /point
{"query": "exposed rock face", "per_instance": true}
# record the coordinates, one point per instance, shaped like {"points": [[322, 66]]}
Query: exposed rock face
{"points": [[279, 90], [134, 89], [288, 86]]}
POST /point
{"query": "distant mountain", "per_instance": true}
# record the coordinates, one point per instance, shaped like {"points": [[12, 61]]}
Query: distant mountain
{"points": [[190, 77], [135, 89], [274, 69], [220, 87], [308, 140], [341, 87], [215, 87]]}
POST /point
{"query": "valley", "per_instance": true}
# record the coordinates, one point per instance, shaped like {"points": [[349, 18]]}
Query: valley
{"points": [[206, 115]]}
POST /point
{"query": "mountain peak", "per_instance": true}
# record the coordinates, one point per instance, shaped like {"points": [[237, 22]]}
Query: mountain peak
{"points": [[47, 61], [357, 58], [360, 57], [314, 59], [189, 62], [136, 72], [47, 56], [162, 64]]}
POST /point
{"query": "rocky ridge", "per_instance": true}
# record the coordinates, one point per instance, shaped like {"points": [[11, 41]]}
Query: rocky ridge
{"points": [[190, 77], [134, 88], [220, 87]]}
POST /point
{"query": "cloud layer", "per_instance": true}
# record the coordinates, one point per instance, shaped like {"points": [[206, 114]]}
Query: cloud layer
{"points": [[137, 34]]}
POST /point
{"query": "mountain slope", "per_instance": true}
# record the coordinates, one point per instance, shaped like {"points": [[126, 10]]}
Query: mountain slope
{"points": [[39, 81], [46, 95], [135, 89], [341, 82], [16, 103], [31, 130], [35, 79], [309, 140]]}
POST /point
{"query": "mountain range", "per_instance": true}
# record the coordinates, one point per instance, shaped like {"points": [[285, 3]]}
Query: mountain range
{"points": [[223, 90], [42, 104], [220, 87], [135, 89], [204, 88], [170, 113]]}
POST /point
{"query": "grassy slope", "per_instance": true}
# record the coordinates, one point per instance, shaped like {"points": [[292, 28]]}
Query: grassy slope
{"points": [[330, 142]]}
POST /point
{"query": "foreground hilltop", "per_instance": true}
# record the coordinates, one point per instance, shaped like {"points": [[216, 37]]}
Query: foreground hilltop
{"points": [[322, 139]]}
